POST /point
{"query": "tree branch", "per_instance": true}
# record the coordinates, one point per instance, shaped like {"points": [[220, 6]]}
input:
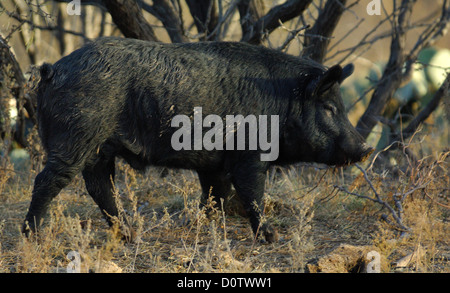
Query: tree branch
{"points": [[205, 16], [128, 17], [427, 38], [317, 38], [164, 12], [250, 11], [392, 75], [98, 3], [441, 94], [270, 21], [57, 28]]}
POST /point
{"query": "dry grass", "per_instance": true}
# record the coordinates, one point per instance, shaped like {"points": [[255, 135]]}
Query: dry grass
{"points": [[174, 235]]}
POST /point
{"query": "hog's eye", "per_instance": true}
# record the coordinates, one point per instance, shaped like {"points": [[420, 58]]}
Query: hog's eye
{"points": [[329, 108]]}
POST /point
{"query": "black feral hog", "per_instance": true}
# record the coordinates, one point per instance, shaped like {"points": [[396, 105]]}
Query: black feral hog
{"points": [[118, 97]]}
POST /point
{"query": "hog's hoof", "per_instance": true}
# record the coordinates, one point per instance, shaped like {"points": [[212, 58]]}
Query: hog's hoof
{"points": [[28, 230], [268, 234], [124, 233], [271, 236]]}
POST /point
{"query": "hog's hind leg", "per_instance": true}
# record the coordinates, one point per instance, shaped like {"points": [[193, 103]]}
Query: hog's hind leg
{"points": [[99, 180], [56, 175]]}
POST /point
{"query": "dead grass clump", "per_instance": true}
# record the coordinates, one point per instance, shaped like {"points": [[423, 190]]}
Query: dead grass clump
{"points": [[64, 241]]}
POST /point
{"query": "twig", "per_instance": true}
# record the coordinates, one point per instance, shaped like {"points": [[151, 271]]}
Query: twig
{"points": [[399, 67], [325, 24], [441, 94], [292, 34], [396, 215], [320, 180], [230, 11], [438, 203], [47, 28], [269, 22], [346, 35]]}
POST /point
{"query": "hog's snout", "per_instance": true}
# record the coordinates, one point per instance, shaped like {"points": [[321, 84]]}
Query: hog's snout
{"points": [[351, 148], [358, 153]]}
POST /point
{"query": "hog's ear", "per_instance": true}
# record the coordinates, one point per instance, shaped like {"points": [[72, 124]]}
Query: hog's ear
{"points": [[346, 71], [332, 75], [325, 81]]}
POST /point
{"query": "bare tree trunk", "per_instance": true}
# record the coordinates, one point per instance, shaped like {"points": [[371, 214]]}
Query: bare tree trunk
{"points": [[10, 69]]}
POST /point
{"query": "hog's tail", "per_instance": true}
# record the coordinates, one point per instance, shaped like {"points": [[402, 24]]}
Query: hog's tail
{"points": [[46, 71], [39, 74]]}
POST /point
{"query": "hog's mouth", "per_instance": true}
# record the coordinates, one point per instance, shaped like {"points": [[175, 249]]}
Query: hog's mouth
{"points": [[347, 160], [367, 154]]}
